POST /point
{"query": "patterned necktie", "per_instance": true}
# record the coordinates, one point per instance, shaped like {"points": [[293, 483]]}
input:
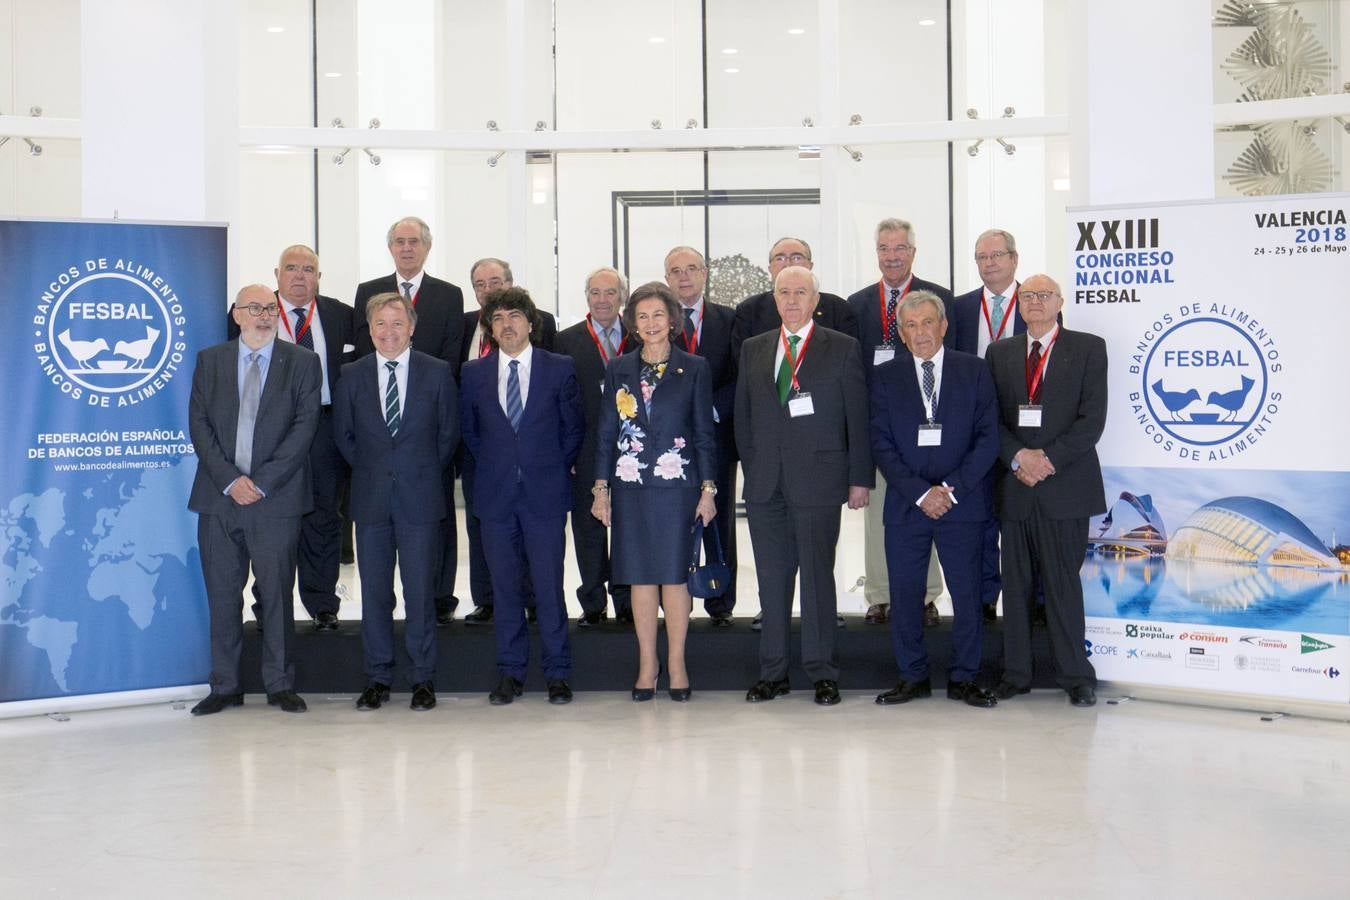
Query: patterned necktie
{"points": [[785, 370], [890, 317], [1034, 363], [306, 339], [996, 316], [689, 332], [514, 407], [392, 415], [928, 384], [248, 415], [407, 290], [607, 335]]}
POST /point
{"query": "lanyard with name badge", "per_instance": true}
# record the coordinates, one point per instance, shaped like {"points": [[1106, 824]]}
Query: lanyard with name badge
{"points": [[304, 326], [886, 352], [930, 432], [799, 401], [1029, 415], [1007, 314]]}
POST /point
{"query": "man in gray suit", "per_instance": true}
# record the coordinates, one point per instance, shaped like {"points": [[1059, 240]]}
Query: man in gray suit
{"points": [[1051, 385], [802, 432], [252, 417]]}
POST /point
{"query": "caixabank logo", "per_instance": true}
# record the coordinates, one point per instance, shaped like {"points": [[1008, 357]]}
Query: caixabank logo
{"points": [[1208, 381], [109, 333]]}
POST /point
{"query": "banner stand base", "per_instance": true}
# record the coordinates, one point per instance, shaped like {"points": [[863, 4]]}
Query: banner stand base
{"points": [[56, 708], [1218, 700]]}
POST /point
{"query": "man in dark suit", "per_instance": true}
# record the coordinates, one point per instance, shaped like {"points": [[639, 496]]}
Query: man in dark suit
{"points": [[758, 313], [252, 416], [935, 439], [440, 333], [879, 331], [977, 319], [592, 343], [486, 276], [801, 426], [523, 424], [1051, 386], [397, 424], [707, 333]]}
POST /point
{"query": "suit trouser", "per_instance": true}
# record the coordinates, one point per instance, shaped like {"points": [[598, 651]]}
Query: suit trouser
{"points": [[1053, 550], [448, 569], [228, 544], [908, 552], [990, 582], [785, 539], [877, 590], [417, 546], [725, 501], [590, 538], [518, 545]]}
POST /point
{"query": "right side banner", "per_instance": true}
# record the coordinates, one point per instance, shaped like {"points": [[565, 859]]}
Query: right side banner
{"points": [[1223, 561]]}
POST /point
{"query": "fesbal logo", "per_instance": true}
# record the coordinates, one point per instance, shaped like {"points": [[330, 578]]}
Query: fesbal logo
{"points": [[1207, 381], [109, 332]]}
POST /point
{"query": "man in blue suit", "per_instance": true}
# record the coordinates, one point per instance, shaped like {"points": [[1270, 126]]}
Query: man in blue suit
{"points": [[974, 321], [523, 424], [935, 440], [879, 331], [396, 422]]}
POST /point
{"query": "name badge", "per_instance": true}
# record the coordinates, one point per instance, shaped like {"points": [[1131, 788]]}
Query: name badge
{"points": [[801, 405], [1028, 417], [882, 355], [930, 435]]}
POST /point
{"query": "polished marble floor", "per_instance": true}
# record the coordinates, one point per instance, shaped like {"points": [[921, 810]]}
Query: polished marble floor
{"points": [[716, 798]]}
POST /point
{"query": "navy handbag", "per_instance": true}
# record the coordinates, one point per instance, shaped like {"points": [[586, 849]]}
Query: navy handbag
{"points": [[713, 579]]}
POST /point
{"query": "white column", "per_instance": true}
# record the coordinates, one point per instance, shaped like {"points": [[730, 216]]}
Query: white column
{"points": [[1142, 101]]}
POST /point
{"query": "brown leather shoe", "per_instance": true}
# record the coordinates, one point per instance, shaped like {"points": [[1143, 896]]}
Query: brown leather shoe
{"points": [[877, 614], [930, 615]]}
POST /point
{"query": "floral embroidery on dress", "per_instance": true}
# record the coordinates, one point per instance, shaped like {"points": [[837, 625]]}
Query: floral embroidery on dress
{"points": [[670, 465], [628, 467]]}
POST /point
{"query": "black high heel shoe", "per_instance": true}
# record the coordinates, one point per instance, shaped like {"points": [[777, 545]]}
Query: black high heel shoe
{"points": [[642, 695], [681, 695]]}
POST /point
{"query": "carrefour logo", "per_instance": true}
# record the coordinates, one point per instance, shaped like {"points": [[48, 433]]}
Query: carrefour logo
{"points": [[1205, 388], [109, 332]]}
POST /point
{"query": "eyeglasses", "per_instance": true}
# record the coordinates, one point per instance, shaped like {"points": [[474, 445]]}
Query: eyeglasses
{"points": [[256, 310], [676, 272], [1042, 296], [795, 258], [492, 284], [993, 256], [898, 248]]}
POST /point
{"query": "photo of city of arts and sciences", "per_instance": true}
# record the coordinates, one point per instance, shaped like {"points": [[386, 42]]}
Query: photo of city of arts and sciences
{"points": [[1248, 549]]}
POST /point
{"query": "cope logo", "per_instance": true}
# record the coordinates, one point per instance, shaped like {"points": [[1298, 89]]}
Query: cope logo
{"points": [[109, 333], [1205, 381], [1100, 649]]}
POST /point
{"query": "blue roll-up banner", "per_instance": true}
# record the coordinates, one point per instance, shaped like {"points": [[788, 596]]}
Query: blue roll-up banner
{"points": [[1223, 564], [100, 584]]}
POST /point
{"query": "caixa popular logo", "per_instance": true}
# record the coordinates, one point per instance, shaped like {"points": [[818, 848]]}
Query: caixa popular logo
{"points": [[109, 332], [1206, 381]]}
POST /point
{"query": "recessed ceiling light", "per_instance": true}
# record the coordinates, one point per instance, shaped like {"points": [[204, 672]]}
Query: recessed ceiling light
{"points": [[926, 22], [656, 40], [275, 29], [731, 71], [332, 74], [796, 31], [730, 51]]}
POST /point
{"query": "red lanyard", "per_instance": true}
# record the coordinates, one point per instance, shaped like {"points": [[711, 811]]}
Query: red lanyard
{"points": [[1034, 377], [1007, 314], [484, 348], [787, 352], [304, 326], [691, 343], [888, 321], [604, 357]]}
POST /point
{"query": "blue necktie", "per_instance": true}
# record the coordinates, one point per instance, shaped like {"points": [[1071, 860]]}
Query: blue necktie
{"points": [[892, 327], [306, 339], [514, 408], [392, 416]]}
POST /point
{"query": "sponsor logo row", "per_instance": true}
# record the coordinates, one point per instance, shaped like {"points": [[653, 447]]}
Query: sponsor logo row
{"points": [[1151, 632], [1205, 650]]}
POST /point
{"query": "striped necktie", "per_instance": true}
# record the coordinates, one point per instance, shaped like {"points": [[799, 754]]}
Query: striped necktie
{"points": [[392, 415], [514, 407]]}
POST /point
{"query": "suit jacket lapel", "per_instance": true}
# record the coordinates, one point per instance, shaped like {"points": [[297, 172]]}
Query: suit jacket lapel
{"points": [[1018, 364]]}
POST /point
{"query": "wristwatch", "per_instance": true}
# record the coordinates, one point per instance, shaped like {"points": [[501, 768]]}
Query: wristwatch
{"points": [[710, 487]]}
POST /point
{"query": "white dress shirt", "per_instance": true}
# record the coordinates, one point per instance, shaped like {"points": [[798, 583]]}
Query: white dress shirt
{"points": [[400, 376], [937, 381], [415, 281], [504, 372], [804, 334], [1009, 310], [288, 331]]}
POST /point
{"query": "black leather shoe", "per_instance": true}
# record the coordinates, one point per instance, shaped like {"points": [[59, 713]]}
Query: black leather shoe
{"points": [[373, 696], [424, 696], [481, 615], [766, 690], [720, 620], [590, 619], [971, 694], [757, 623], [559, 692], [931, 616], [827, 692], [214, 703], [1082, 695], [990, 611], [1006, 690], [507, 689], [444, 617], [906, 691], [642, 695], [289, 701], [681, 695], [326, 621], [624, 617]]}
